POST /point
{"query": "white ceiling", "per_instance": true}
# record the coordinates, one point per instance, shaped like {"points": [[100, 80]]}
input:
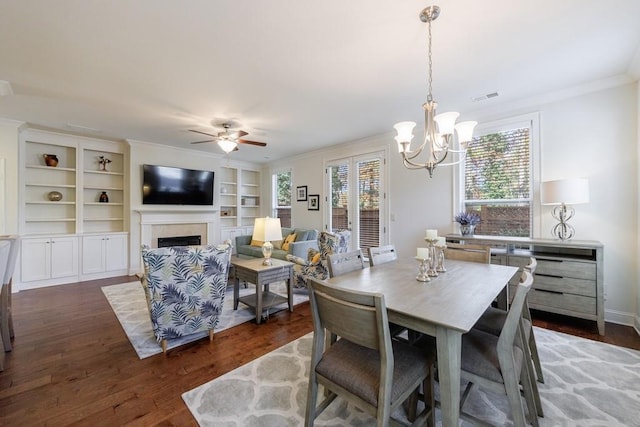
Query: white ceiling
{"points": [[297, 74]]}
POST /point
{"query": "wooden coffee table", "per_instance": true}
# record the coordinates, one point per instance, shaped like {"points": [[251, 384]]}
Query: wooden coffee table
{"points": [[251, 270]]}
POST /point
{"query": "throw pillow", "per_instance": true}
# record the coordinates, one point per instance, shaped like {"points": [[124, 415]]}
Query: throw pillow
{"points": [[316, 258], [257, 243], [277, 244], [290, 239]]}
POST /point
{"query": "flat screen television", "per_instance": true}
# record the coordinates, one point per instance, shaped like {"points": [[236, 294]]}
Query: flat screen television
{"points": [[164, 185]]}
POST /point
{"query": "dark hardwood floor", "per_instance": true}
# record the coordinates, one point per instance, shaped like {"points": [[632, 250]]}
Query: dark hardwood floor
{"points": [[73, 365]]}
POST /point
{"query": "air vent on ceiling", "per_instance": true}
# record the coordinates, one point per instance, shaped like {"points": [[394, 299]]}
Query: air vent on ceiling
{"points": [[485, 96], [5, 88]]}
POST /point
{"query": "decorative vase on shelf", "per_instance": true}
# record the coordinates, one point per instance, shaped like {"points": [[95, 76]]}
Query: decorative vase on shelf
{"points": [[467, 229], [50, 160], [104, 198], [55, 196]]}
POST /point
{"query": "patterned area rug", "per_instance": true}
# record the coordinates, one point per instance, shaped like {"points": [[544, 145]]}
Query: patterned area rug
{"points": [[130, 306], [587, 383]]}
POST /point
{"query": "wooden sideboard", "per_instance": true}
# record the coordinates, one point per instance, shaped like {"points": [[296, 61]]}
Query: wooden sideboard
{"points": [[568, 279]]}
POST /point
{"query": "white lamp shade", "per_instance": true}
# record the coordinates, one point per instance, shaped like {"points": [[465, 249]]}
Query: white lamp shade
{"points": [[226, 145], [465, 130], [567, 191], [446, 122], [267, 229], [405, 131]]}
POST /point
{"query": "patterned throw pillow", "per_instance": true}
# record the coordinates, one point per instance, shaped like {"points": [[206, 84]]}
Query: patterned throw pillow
{"points": [[316, 258], [290, 239]]}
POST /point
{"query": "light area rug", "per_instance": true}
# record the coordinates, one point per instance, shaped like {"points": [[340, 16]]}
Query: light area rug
{"points": [[587, 383], [129, 304]]}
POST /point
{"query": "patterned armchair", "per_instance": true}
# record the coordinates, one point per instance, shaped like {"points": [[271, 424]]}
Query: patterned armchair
{"points": [[185, 288], [316, 265]]}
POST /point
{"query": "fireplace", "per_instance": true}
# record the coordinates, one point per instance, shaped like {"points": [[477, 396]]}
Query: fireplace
{"points": [[156, 224], [164, 242]]}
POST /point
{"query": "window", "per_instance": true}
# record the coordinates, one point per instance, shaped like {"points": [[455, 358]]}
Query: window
{"points": [[282, 197], [498, 178]]}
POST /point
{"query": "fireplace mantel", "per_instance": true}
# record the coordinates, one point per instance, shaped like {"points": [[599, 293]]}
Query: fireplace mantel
{"points": [[158, 217]]}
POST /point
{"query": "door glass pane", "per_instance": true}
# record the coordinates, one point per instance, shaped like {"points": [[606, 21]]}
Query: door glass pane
{"points": [[369, 203], [339, 184]]}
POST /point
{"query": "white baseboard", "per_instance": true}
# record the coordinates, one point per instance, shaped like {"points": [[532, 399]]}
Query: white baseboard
{"points": [[622, 318]]}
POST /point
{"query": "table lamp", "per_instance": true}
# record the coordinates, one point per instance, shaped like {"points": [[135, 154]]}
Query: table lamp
{"points": [[265, 230], [561, 193]]}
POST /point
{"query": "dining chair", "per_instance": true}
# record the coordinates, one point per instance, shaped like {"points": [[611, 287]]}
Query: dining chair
{"points": [[342, 263], [6, 319], [492, 321], [468, 252], [5, 248], [498, 362], [382, 254], [364, 366]]}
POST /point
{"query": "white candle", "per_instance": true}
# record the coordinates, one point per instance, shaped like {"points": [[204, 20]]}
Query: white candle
{"points": [[441, 242], [431, 234], [423, 253]]}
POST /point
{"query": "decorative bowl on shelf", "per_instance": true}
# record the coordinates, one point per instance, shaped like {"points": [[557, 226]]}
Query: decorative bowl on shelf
{"points": [[55, 196]]}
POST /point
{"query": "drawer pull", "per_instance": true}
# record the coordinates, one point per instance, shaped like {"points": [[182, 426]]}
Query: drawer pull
{"points": [[549, 275], [549, 292]]}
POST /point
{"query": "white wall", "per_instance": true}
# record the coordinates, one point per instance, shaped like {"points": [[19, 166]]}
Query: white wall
{"points": [[9, 130], [593, 135]]}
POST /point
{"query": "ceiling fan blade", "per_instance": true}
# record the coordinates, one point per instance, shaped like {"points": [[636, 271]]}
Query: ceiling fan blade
{"points": [[200, 142], [246, 141], [203, 133]]}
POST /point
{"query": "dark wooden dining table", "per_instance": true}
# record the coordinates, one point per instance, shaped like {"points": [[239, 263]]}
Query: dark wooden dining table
{"points": [[445, 307]]}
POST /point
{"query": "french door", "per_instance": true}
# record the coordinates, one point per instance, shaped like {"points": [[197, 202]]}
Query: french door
{"points": [[356, 199]]}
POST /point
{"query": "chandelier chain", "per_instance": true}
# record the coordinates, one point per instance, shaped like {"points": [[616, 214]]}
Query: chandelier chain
{"points": [[429, 95]]}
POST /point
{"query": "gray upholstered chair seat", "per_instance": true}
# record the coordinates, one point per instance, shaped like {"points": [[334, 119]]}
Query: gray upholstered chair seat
{"points": [[493, 319], [481, 356], [357, 368]]}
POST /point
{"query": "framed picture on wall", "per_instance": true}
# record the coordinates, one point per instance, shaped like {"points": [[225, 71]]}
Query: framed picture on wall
{"points": [[314, 202], [301, 193]]}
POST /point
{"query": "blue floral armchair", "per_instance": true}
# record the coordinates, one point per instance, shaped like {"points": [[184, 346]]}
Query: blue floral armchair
{"points": [[185, 288], [316, 265]]}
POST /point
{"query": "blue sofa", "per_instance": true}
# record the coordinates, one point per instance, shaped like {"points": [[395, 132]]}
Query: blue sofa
{"points": [[305, 239]]}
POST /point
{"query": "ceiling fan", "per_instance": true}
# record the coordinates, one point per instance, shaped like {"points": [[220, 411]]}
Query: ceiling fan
{"points": [[228, 140]]}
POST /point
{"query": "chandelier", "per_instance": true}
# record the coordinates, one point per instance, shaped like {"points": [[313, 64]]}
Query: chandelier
{"points": [[438, 129]]}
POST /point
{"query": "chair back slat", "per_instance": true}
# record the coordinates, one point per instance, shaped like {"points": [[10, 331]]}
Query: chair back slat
{"points": [[510, 328], [357, 316], [346, 262], [468, 252], [381, 254]]}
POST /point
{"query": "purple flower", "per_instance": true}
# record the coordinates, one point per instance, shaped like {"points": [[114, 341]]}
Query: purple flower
{"points": [[467, 218]]}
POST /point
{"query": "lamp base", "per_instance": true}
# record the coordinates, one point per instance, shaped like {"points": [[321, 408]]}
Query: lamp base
{"points": [[563, 230], [267, 250]]}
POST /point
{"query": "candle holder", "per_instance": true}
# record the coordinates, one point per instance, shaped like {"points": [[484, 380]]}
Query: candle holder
{"points": [[432, 257], [440, 250], [422, 270]]}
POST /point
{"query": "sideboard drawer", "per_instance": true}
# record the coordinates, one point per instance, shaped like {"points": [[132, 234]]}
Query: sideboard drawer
{"points": [[576, 303], [566, 268], [565, 285]]}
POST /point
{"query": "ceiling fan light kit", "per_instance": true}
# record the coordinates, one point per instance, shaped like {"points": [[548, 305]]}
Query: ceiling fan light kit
{"points": [[228, 141]]}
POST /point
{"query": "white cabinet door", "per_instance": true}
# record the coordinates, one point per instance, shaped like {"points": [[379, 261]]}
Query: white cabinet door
{"points": [[64, 257], [35, 259], [92, 254], [49, 258], [115, 252], [104, 252]]}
